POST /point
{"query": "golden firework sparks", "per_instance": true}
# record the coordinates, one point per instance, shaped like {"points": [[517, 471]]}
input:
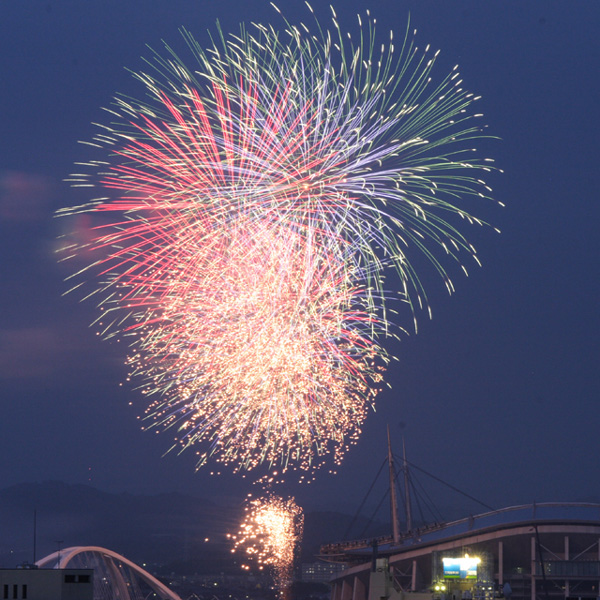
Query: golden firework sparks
{"points": [[269, 536]]}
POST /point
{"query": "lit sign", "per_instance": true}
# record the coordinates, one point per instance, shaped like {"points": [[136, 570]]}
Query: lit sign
{"points": [[461, 568]]}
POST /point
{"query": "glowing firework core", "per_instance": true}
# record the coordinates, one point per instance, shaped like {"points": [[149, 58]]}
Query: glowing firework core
{"points": [[270, 535]]}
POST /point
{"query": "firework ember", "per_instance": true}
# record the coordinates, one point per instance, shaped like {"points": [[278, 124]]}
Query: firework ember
{"points": [[251, 206]]}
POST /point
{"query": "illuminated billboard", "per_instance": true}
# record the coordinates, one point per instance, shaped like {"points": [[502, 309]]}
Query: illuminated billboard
{"points": [[461, 568]]}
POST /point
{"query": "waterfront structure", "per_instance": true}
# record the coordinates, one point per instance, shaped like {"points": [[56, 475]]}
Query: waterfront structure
{"points": [[114, 576], [548, 551]]}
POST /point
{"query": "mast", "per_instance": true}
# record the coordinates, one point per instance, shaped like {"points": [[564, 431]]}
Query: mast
{"points": [[393, 503], [406, 489], [34, 533]]}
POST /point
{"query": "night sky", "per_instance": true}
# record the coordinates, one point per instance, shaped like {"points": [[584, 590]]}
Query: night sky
{"points": [[497, 394]]}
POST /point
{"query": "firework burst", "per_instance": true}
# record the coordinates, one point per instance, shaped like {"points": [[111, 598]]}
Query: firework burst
{"points": [[270, 535], [267, 356], [254, 201]]}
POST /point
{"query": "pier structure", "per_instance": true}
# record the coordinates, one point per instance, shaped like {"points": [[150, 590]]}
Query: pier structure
{"points": [[539, 551]]}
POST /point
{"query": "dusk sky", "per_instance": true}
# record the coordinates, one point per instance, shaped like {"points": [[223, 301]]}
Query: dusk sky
{"points": [[498, 394]]}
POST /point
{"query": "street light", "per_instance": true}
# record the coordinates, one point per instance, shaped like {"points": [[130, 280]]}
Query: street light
{"points": [[59, 542]]}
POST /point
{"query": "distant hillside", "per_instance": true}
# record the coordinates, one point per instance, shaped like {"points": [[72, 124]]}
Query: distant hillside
{"points": [[168, 529], [147, 528]]}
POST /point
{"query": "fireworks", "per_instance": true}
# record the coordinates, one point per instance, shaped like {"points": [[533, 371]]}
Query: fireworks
{"points": [[270, 535], [256, 198], [280, 362]]}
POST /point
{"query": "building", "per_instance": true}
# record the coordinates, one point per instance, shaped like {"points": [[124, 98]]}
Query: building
{"points": [[46, 584], [320, 572], [547, 551]]}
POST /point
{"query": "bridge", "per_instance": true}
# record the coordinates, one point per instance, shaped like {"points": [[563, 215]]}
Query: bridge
{"points": [[114, 575]]}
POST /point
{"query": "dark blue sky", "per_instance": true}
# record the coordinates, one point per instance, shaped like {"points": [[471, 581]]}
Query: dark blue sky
{"points": [[498, 394]]}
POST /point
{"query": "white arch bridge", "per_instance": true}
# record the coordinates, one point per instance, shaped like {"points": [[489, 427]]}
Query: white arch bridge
{"points": [[114, 575]]}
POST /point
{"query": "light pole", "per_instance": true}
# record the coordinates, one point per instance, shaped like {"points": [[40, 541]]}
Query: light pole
{"points": [[59, 542]]}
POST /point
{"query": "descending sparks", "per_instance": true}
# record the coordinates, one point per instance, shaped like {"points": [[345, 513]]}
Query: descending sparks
{"points": [[252, 204], [269, 536], [267, 356]]}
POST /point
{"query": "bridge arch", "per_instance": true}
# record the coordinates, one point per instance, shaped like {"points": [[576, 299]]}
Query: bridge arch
{"points": [[114, 575]]}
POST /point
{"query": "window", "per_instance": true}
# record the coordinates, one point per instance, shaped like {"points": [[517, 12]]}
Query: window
{"points": [[69, 578], [24, 591], [5, 591], [15, 591], [84, 579]]}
